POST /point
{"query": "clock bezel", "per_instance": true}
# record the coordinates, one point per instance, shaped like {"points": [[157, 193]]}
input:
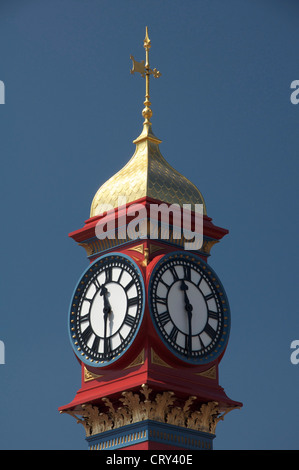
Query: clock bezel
{"points": [[75, 303], [218, 349]]}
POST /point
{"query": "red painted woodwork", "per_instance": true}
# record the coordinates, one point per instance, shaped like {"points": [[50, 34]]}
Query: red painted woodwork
{"points": [[88, 230], [159, 369], [175, 374]]}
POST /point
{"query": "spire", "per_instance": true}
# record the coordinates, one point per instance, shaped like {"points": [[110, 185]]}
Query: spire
{"points": [[147, 173], [145, 71]]}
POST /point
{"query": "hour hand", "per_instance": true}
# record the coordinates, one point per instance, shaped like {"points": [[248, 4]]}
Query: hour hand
{"points": [[188, 306], [184, 286]]}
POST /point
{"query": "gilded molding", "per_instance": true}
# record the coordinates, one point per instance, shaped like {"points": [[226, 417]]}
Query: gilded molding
{"points": [[207, 245], [89, 248], [162, 407], [145, 257], [138, 248], [210, 373], [144, 251], [90, 376], [138, 361], [155, 359], [96, 246]]}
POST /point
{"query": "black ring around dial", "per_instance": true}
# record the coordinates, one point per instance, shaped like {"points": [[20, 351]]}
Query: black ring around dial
{"points": [[90, 347], [174, 338]]}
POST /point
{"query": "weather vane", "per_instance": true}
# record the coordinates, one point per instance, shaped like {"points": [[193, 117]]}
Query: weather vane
{"points": [[145, 71]]}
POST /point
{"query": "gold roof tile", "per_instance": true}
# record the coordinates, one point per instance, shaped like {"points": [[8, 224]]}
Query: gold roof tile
{"points": [[147, 174]]}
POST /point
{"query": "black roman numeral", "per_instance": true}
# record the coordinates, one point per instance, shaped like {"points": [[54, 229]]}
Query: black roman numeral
{"points": [[95, 344], [121, 337], [213, 315], [209, 296], [164, 283], [133, 301], [86, 334], [84, 318], [108, 273], [96, 283], [209, 331], [201, 343], [187, 273], [164, 318], [129, 320], [161, 300], [128, 286], [188, 344], [107, 346], [173, 334], [120, 276], [174, 273]]}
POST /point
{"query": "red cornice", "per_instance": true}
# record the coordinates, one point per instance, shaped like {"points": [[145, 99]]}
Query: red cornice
{"points": [[88, 230]]}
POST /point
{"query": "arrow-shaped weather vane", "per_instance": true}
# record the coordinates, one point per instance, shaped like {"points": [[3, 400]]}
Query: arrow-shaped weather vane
{"points": [[145, 71]]}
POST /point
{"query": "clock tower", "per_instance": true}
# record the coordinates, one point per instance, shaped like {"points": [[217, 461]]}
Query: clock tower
{"points": [[149, 319]]}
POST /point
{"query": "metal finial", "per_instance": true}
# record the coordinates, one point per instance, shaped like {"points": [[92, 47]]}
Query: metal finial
{"points": [[145, 71]]}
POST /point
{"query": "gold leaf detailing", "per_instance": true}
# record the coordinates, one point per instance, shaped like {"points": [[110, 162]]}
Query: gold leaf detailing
{"points": [[207, 417], [155, 359], [210, 373], [138, 248], [144, 251], [88, 248], [148, 405], [146, 257], [138, 361], [147, 173], [207, 245], [90, 376]]}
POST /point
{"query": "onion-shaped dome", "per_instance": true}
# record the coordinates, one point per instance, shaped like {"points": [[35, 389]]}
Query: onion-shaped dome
{"points": [[147, 174]]}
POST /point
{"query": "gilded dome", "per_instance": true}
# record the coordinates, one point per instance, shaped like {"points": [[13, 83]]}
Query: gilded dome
{"points": [[147, 174]]}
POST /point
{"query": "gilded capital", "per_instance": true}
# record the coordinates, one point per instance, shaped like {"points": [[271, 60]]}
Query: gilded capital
{"points": [[146, 404]]}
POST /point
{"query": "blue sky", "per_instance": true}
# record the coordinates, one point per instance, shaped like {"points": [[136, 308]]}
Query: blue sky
{"points": [[223, 112]]}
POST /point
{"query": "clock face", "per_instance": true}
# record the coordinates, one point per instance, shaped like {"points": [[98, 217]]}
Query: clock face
{"points": [[189, 308], [106, 310]]}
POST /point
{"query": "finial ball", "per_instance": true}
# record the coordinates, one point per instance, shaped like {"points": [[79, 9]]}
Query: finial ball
{"points": [[147, 113]]}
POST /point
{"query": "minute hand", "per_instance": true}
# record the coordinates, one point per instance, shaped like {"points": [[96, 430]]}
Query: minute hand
{"points": [[107, 307], [188, 308], [106, 311]]}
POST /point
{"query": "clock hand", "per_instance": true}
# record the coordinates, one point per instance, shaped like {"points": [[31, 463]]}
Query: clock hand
{"points": [[188, 308], [106, 311], [107, 306]]}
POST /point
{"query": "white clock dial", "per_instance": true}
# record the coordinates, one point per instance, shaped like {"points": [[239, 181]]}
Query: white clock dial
{"points": [[106, 309], [189, 307]]}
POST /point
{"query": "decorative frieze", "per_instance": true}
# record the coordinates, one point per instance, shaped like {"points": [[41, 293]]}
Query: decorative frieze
{"points": [[148, 405]]}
